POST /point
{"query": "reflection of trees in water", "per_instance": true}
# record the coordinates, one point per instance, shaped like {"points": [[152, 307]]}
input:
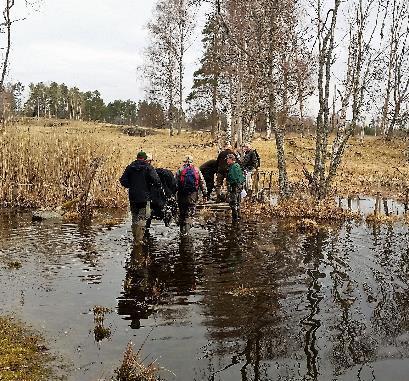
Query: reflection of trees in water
{"points": [[242, 304], [277, 303], [351, 340], [390, 278], [313, 258]]}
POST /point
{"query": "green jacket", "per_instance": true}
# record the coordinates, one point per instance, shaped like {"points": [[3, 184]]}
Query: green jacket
{"points": [[235, 175]]}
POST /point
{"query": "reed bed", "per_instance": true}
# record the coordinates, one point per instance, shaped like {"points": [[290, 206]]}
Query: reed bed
{"points": [[42, 166], [45, 164]]}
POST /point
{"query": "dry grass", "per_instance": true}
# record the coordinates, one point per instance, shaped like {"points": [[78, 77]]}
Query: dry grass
{"points": [[368, 168], [134, 369], [304, 208], [44, 166]]}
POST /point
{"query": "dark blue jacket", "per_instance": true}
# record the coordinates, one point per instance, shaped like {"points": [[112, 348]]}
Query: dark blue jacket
{"points": [[140, 178]]}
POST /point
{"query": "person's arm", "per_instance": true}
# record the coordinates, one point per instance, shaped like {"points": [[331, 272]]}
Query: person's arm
{"points": [[254, 161], [245, 161], [124, 180], [202, 183], [177, 178], [154, 178]]}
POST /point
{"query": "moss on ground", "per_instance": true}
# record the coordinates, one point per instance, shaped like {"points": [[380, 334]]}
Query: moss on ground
{"points": [[23, 356]]}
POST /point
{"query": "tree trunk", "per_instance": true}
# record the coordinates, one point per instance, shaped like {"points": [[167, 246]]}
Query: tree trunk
{"points": [[7, 23], [281, 164]]}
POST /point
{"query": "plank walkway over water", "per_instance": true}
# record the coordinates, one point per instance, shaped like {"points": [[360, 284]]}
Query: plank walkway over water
{"points": [[216, 206]]}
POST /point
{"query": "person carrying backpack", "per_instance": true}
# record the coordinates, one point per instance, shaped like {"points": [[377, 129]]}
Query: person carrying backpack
{"points": [[188, 179], [235, 180], [249, 164]]}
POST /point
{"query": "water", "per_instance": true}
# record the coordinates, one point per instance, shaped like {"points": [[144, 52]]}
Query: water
{"points": [[257, 302]]}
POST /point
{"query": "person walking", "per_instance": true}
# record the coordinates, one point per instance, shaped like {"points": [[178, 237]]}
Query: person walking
{"points": [[235, 180], [249, 164], [209, 170], [140, 178], [189, 180], [222, 169]]}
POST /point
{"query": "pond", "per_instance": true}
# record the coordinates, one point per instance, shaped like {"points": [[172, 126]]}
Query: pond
{"points": [[258, 301]]}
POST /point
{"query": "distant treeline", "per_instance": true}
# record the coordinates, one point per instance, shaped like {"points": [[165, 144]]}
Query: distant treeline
{"points": [[59, 101]]}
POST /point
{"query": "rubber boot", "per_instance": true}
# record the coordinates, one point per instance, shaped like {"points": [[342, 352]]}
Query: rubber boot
{"points": [[189, 224], [185, 226], [234, 215], [138, 231]]}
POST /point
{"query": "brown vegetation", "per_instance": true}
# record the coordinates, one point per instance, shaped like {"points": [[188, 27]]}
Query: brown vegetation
{"points": [[133, 368], [43, 166]]}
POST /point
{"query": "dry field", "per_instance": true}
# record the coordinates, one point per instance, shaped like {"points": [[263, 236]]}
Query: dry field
{"points": [[44, 166]]}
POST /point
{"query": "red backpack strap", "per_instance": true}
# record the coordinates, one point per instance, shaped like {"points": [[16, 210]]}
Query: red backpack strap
{"points": [[183, 174]]}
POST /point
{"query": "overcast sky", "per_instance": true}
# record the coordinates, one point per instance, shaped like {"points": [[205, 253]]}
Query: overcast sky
{"points": [[91, 44]]}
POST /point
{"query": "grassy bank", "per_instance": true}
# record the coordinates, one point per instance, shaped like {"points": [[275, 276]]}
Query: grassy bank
{"points": [[22, 354], [46, 164]]}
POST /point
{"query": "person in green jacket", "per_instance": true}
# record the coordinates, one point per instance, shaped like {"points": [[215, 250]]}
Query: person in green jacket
{"points": [[235, 180]]}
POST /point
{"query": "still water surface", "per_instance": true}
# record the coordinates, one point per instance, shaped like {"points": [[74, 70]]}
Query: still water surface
{"points": [[254, 302]]}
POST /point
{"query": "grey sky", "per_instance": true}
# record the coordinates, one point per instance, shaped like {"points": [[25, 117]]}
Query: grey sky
{"points": [[91, 44]]}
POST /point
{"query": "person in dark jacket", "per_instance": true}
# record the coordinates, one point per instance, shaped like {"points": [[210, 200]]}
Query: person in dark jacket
{"points": [[140, 178], [249, 164], [164, 205], [209, 170], [235, 180], [222, 169]]}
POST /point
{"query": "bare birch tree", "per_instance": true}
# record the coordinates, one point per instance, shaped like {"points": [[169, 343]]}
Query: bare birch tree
{"points": [[170, 32], [397, 62]]}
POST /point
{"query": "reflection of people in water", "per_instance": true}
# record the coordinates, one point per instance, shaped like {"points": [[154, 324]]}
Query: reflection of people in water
{"points": [[147, 277]]}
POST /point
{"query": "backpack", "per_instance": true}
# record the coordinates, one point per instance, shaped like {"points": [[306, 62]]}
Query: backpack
{"points": [[189, 180], [258, 158]]}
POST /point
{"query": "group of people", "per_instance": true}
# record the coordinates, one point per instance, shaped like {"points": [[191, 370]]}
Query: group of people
{"points": [[158, 193]]}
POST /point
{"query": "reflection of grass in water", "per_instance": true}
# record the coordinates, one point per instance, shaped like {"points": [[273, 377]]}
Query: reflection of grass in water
{"points": [[101, 332], [14, 265], [22, 355]]}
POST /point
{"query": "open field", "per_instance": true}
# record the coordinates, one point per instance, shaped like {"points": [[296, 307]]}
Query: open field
{"points": [[42, 164]]}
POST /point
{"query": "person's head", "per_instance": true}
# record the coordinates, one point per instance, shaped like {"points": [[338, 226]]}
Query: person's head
{"points": [[149, 158], [141, 155], [246, 147], [188, 160], [230, 158]]}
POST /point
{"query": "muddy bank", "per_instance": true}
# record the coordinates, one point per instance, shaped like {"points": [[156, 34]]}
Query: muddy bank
{"points": [[253, 302]]}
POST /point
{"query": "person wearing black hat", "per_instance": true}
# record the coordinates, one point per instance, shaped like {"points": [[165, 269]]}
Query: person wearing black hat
{"points": [[140, 178]]}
